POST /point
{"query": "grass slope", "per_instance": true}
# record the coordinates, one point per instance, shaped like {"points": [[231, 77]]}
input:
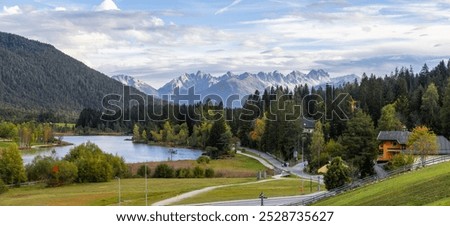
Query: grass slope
{"points": [[428, 186], [271, 188], [101, 194]]}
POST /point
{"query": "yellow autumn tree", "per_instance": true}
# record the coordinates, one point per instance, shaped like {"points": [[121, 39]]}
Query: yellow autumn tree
{"points": [[423, 142]]}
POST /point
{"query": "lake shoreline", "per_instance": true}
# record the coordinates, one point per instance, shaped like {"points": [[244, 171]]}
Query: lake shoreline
{"points": [[117, 145]]}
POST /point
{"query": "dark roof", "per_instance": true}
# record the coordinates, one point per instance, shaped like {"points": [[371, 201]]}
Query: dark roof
{"points": [[444, 145], [400, 136], [308, 123]]}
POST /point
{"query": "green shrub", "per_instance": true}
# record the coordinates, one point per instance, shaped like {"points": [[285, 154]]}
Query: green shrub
{"points": [[209, 173], [63, 172], [184, 173], [337, 175], [141, 171], [164, 171], [199, 172], [203, 159], [3, 187], [39, 169], [94, 165], [399, 160], [12, 170]]}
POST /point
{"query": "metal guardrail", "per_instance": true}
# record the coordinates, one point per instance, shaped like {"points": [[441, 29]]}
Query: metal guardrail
{"points": [[24, 184], [369, 180]]}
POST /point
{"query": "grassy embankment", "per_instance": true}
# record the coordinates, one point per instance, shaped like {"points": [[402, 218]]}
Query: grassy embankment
{"points": [[271, 188], [427, 186]]}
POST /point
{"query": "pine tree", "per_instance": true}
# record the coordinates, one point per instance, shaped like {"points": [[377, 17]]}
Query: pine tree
{"points": [[359, 140], [445, 111], [217, 137]]}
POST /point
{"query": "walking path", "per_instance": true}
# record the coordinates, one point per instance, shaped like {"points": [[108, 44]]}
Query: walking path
{"points": [[200, 191]]}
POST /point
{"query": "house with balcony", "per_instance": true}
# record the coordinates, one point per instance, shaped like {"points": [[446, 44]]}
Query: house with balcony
{"points": [[392, 143]]}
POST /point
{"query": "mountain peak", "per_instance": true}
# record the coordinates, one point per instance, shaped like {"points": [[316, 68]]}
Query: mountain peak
{"points": [[318, 74], [136, 83]]}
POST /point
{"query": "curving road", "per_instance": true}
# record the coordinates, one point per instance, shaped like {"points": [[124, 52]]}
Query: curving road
{"points": [[297, 170], [275, 201]]}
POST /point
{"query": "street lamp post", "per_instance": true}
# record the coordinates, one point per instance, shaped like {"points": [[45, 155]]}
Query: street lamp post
{"points": [[118, 178], [303, 160], [262, 197], [146, 186]]}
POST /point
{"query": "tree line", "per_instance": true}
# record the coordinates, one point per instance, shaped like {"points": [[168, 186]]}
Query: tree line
{"points": [[28, 133], [85, 163]]}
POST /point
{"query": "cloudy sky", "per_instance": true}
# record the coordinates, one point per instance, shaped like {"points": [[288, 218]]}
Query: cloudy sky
{"points": [[157, 40]]}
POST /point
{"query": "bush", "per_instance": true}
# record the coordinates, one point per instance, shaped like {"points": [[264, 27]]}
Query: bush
{"points": [[141, 171], [337, 175], [209, 173], [63, 172], [212, 151], [164, 171], [399, 160], [203, 159], [12, 170], [94, 165], [39, 169], [184, 173], [3, 187], [199, 172]]}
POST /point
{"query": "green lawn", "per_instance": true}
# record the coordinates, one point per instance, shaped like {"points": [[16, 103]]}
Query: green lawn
{"points": [[428, 186], [100, 194], [239, 166], [271, 188]]}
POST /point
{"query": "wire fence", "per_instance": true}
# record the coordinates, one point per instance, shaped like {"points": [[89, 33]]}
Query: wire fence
{"points": [[369, 180]]}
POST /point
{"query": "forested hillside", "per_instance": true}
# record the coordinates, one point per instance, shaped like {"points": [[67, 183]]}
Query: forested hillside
{"points": [[37, 78]]}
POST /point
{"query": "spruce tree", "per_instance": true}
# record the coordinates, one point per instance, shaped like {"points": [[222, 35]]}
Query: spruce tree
{"points": [[445, 111]]}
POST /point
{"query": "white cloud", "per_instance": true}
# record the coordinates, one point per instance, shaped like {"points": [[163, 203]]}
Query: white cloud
{"points": [[226, 8], [59, 9], [107, 5], [13, 10]]}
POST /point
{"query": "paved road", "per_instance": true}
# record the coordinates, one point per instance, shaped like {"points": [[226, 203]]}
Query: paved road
{"points": [[296, 170], [270, 201]]}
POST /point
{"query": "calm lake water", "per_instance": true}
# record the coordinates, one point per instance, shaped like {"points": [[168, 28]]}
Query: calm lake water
{"points": [[131, 152]]}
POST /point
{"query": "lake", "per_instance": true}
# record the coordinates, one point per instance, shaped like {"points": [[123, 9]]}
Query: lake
{"points": [[132, 153]]}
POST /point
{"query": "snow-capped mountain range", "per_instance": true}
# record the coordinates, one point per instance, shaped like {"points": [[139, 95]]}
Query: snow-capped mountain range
{"points": [[138, 84], [232, 84]]}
